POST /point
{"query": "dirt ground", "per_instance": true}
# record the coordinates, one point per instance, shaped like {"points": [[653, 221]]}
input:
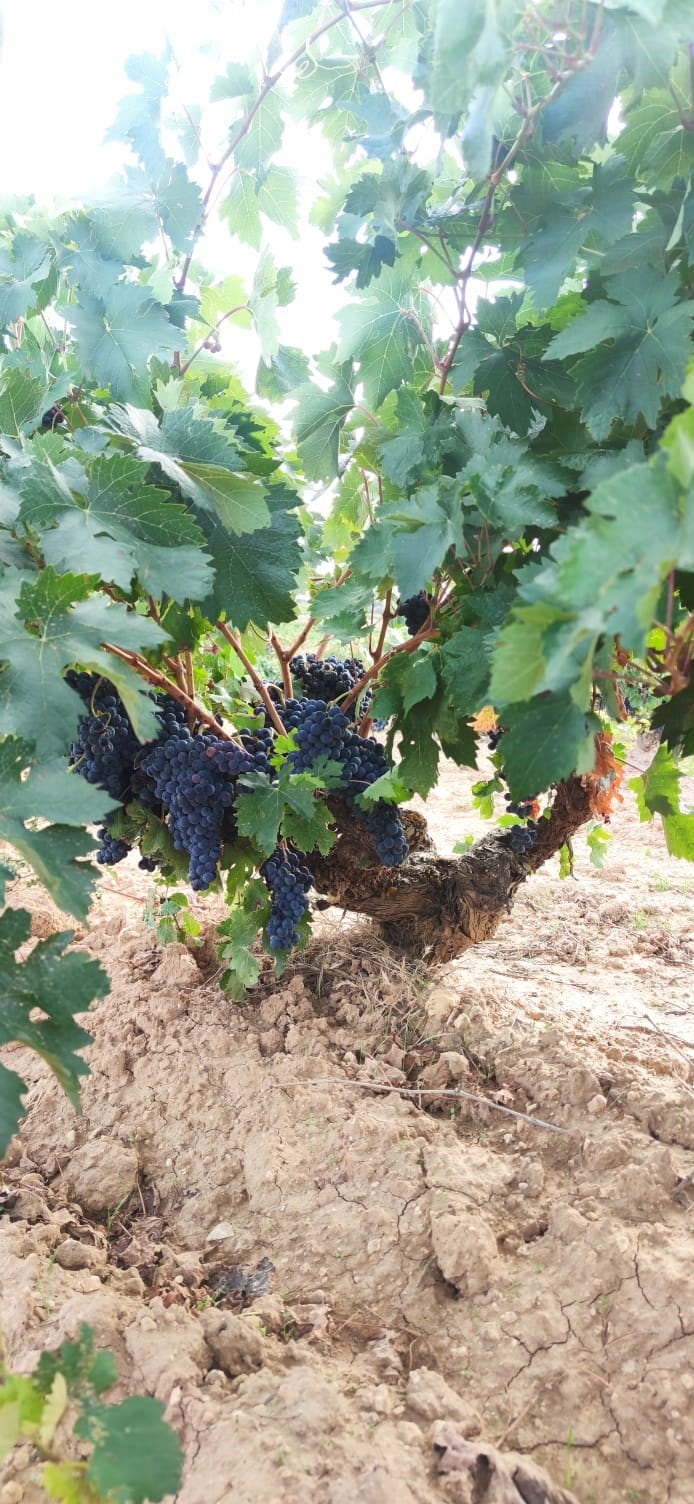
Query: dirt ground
{"points": [[349, 1279]]}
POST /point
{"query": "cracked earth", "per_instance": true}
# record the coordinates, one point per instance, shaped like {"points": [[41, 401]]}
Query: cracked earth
{"points": [[349, 1280]]}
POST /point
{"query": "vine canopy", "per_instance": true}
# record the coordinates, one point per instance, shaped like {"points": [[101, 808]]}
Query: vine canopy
{"points": [[503, 422]]}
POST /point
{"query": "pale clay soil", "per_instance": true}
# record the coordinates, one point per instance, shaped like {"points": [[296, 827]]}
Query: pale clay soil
{"points": [[455, 1304]]}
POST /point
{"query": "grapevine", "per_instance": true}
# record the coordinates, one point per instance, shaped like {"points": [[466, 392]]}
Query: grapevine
{"points": [[469, 516]]}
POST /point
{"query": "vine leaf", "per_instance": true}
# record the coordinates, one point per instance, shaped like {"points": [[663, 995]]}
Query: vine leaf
{"points": [[61, 985], [288, 808], [638, 346], [118, 334], [20, 271], [11, 1106], [254, 575], [605, 575], [48, 792], [47, 622], [549, 738], [200, 460], [21, 402], [137, 1456], [382, 333], [658, 792], [119, 528], [318, 422]]}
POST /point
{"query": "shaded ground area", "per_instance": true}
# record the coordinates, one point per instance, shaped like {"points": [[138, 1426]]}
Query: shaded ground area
{"points": [[349, 1279]]}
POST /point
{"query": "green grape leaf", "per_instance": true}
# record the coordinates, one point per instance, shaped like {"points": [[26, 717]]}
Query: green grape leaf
{"points": [[466, 670], [121, 528], [47, 622], [118, 334], [238, 500], [604, 575], [65, 1481], [12, 1089], [282, 374], [382, 333], [20, 272], [318, 422], [263, 137], [60, 984], [278, 198], [570, 212], [22, 402], [367, 260], [241, 209], [288, 807], [597, 840], [658, 792], [419, 680], [202, 462], [549, 738], [638, 347], [658, 789], [309, 826], [179, 205], [238, 79], [137, 1456], [418, 749], [254, 575], [250, 911]]}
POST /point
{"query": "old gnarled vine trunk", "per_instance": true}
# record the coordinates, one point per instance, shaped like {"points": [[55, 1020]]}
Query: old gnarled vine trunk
{"points": [[442, 905]]}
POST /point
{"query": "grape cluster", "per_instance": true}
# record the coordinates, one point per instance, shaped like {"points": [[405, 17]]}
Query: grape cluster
{"points": [[320, 732], [326, 678], [523, 808], [194, 779], [416, 611], [106, 746], [522, 837], [289, 882], [111, 849], [189, 777], [364, 762]]}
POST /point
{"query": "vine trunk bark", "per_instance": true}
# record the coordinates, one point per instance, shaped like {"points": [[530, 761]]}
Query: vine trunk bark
{"points": [[434, 905]]}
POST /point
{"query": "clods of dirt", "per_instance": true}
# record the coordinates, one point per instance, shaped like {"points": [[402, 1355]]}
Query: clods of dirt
{"points": [[379, 1233]]}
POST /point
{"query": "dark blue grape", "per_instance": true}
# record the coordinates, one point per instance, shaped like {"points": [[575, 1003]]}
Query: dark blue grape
{"points": [[111, 849], [522, 837], [330, 679], [194, 779], [105, 746], [416, 611], [289, 882], [320, 732]]}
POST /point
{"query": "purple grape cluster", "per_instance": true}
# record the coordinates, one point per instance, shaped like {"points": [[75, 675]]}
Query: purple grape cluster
{"points": [[416, 611], [327, 678], [111, 848], [522, 837], [194, 779], [289, 882], [105, 747], [320, 732]]}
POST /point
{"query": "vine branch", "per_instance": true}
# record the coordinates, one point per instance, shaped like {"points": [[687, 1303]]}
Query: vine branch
{"points": [[158, 680], [258, 684]]}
